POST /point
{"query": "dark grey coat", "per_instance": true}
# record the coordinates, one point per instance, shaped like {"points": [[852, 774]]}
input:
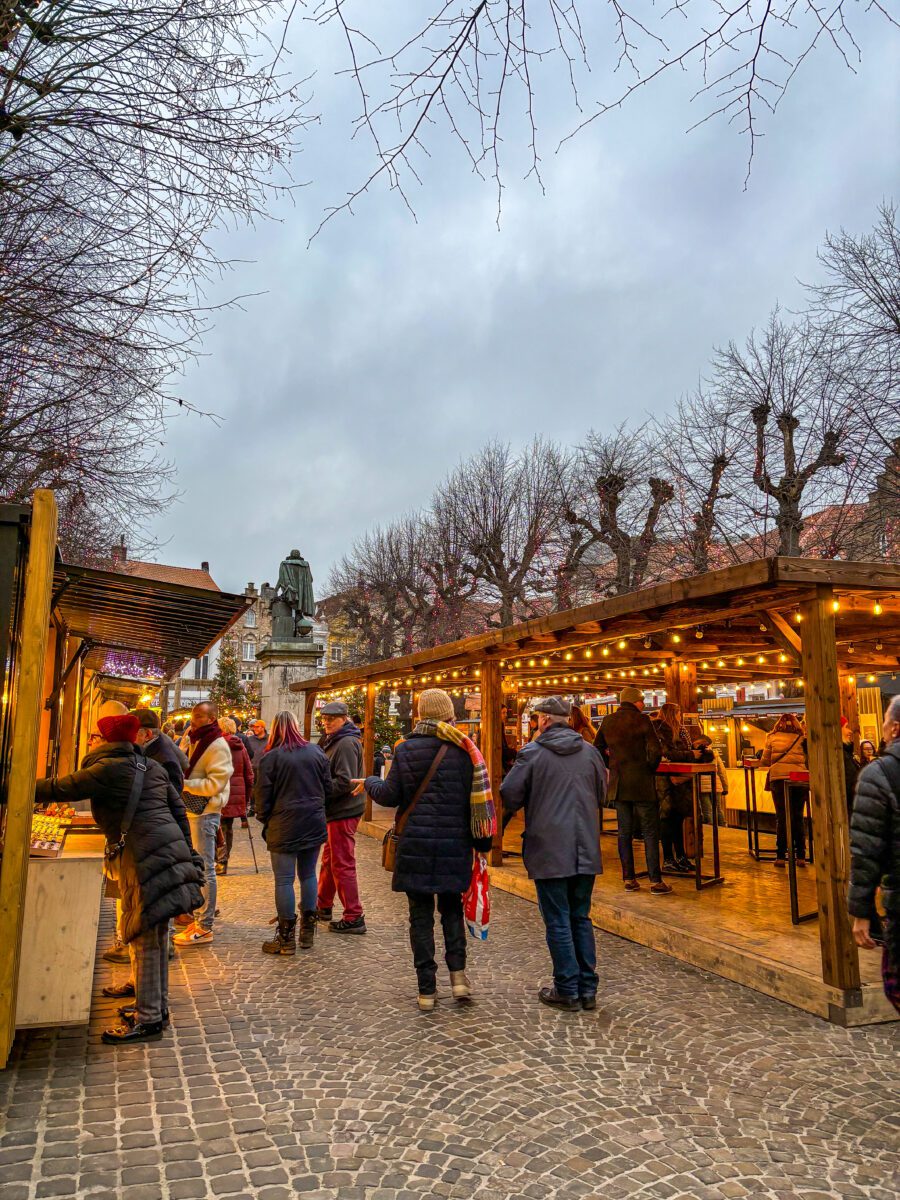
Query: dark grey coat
{"points": [[875, 836], [631, 750], [345, 758], [560, 781]]}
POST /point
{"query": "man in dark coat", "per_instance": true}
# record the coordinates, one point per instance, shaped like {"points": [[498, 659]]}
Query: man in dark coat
{"points": [[631, 750], [256, 741], [160, 748], [342, 744], [560, 781], [158, 873], [875, 852]]}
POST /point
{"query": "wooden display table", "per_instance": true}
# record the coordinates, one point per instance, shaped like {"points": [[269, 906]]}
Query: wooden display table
{"points": [[59, 937], [696, 770]]}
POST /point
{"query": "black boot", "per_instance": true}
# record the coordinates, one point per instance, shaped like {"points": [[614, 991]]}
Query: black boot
{"points": [[323, 914], [308, 923], [284, 940], [550, 996], [132, 1033], [129, 1013]]}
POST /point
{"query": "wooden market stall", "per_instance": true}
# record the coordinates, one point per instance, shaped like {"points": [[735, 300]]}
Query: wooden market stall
{"points": [[811, 629], [72, 637]]}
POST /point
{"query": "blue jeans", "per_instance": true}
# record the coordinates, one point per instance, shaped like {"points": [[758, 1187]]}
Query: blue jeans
{"points": [[284, 867], [203, 832], [565, 905]]}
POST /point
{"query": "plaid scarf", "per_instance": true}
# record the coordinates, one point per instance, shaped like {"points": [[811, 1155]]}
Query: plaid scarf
{"points": [[481, 802]]}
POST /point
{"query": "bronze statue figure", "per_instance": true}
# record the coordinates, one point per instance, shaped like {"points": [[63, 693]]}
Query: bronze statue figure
{"points": [[294, 605]]}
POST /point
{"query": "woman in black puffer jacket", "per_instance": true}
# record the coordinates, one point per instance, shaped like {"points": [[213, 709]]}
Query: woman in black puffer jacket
{"points": [[875, 852], [435, 852], [159, 876], [293, 779]]}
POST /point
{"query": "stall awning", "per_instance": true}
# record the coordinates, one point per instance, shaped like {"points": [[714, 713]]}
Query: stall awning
{"points": [[137, 627]]}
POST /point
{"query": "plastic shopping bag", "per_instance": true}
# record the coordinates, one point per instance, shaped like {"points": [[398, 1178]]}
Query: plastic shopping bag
{"points": [[477, 900]]}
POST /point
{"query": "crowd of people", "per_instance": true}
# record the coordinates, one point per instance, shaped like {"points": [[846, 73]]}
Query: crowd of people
{"points": [[167, 803]]}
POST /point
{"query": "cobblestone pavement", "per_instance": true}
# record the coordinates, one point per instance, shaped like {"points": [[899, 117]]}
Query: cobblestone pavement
{"points": [[316, 1076]]}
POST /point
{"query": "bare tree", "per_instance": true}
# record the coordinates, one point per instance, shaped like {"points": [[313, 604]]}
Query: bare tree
{"points": [[128, 134], [618, 501], [798, 413], [698, 444], [510, 504], [473, 66]]}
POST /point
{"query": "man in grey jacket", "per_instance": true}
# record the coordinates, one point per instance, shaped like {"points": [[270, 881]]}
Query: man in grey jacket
{"points": [[342, 744], [560, 781]]}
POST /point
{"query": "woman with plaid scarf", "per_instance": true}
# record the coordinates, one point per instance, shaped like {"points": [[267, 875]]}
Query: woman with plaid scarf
{"points": [[451, 819]]}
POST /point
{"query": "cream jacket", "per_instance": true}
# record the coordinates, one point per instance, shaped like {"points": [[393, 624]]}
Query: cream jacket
{"points": [[211, 776]]}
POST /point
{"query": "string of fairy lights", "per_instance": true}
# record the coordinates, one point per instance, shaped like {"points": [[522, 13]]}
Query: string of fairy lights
{"points": [[575, 667]]}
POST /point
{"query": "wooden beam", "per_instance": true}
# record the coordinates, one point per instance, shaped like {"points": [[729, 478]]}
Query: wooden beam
{"points": [[850, 707], [840, 962], [782, 633], [309, 707], [492, 743], [28, 704], [681, 685], [369, 740]]}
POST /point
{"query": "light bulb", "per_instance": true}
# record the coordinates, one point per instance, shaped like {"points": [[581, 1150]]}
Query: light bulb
{"points": [[878, 610]]}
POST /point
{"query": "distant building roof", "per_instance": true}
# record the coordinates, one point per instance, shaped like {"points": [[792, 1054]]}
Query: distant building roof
{"points": [[198, 577]]}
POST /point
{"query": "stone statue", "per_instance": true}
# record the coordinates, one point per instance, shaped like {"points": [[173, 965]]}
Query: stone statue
{"points": [[293, 604]]}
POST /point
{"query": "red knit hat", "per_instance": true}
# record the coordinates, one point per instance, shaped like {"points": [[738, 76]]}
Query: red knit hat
{"points": [[119, 729]]}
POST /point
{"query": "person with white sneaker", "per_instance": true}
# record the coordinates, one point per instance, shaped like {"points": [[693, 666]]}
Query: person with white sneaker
{"points": [[206, 792]]}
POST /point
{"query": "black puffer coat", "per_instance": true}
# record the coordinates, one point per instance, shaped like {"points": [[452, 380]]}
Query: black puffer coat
{"points": [[875, 836], [159, 876], [289, 796], [435, 851]]}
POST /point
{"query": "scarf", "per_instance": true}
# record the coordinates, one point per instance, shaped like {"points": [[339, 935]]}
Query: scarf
{"points": [[481, 802], [201, 740]]}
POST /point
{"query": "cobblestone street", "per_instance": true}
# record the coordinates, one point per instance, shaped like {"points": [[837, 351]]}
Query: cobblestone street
{"points": [[316, 1076]]}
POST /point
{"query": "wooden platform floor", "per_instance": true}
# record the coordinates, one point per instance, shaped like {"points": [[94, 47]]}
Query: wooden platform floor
{"points": [[741, 930]]}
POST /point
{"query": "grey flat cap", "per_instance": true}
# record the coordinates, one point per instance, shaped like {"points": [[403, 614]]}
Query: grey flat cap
{"points": [[335, 708], [554, 705]]}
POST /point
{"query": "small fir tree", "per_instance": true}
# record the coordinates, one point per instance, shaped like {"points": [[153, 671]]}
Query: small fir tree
{"points": [[227, 691]]}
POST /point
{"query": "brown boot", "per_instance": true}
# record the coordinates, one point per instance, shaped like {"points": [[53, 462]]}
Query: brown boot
{"points": [[284, 940], [308, 923]]}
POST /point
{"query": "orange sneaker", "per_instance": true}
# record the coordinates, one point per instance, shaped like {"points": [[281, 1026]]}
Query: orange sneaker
{"points": [[195, 935]]}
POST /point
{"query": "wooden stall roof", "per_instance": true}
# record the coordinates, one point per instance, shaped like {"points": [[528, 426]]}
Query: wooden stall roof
{"points": [[737, 623], [141, 627]]}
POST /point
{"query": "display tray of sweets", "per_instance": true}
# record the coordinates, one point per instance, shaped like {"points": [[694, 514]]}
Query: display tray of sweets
{"points": [[47, 835]]}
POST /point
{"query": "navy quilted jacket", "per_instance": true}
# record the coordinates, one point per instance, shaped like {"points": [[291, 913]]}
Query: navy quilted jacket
{"points": [[875, 836], [435, 851]]}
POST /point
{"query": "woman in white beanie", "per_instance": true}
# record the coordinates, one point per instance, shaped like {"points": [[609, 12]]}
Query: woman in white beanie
{"points": [[443, 823]]}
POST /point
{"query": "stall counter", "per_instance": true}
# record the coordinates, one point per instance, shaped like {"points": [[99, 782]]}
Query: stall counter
{"points": [[59, 936]]}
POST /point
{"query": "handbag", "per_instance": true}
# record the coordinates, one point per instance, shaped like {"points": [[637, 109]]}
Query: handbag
{"points": [[195, 805], [392, 837], [112, 852]]}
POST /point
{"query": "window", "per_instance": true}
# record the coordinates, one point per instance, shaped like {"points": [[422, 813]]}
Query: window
{"points": [[250, 618], [337, 654], [201, 667], [249, 650]]}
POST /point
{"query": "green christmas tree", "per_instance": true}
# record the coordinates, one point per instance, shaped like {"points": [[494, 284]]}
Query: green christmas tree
{"points": [[227, 691]]}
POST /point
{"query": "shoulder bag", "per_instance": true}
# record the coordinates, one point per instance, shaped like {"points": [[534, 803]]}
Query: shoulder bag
{"points": [[112, 852], [393, 835]]}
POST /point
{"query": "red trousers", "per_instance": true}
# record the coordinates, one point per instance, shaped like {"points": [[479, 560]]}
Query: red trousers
{"points": [[337, 872]]}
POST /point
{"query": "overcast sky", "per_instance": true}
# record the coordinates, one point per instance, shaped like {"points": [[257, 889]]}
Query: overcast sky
{"points": [[391, 347]]}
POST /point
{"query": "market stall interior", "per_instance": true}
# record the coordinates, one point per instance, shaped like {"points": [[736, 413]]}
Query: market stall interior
{"points": [[813, 637], [72, 638]]}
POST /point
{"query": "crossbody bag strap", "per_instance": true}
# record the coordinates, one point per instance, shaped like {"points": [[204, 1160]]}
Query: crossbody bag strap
{"points": [[785, 753], [137, 786], [400, 823]]}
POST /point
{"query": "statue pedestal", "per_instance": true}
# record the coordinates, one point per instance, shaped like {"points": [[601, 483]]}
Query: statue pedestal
{"points": [[284, 663]]}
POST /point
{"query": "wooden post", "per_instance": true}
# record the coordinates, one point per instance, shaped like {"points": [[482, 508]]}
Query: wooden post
{"points": [[369, 740], [35, 623], [840, 962], [850, 707], [491, 744], [309, 707], [69, 716], [681, 685]]}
